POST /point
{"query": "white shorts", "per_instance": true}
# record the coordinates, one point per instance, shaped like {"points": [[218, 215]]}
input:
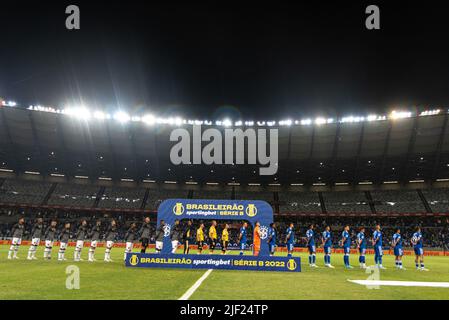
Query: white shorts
{"points": [[63, 245], [16, 241], [79, 244], [175, 244], [48, 243], [109, 244], [35, 241], [129, 246], [159, 245], [93, 243]]}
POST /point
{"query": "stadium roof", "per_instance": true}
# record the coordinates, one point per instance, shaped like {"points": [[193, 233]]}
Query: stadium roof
{"points": [[406, 147]]}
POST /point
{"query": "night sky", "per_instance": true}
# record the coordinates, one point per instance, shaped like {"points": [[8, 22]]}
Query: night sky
{"points": [[252, 61]]}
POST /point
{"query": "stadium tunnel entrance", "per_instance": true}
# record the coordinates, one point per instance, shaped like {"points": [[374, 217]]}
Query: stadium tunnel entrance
{"points": [[220, 210]]}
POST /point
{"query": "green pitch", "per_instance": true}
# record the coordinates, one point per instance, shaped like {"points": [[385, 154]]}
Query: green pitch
{"points": [[23, 279]]}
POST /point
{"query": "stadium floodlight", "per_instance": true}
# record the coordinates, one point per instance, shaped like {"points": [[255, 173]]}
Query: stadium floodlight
{"points": [[400, 114], [430, 112], [261, 123], [320, 121], [136, 119], [122, 117], [249, 123], [100, 115], [6, 170], [149, 119], [296, 184], [32, 172], [238, 123], [227, 123], [306, 122], [287, 122], [271, 123]]}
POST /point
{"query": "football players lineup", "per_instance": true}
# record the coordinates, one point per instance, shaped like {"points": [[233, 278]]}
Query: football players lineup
{"points": [[214, 236]]}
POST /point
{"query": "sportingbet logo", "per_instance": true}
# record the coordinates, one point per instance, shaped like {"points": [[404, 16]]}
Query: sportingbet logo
{"points": [[189, 150]]}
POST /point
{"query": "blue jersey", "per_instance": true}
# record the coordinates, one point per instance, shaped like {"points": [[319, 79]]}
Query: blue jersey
{"points": [[310, 237], [327, 238], [397, 239], [417, 240], [361, 240], [243, 233], [290, 235], [346, 239], [377, 236], [272, 235]]}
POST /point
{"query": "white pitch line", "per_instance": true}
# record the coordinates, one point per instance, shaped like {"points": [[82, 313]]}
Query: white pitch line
{"points": [[401, 283], [195, 286]]}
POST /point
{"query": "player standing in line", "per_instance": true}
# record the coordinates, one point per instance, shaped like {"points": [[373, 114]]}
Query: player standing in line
{"points": [[200, 238], [80, 236], [213, 237], [327, 246], [130, 236], [256, 239], [361, 245], [36, 235], [377, 244], [144, 232], [290, 239], [346, 243], [94, 235], [398, 252], [110, 236], [175, 236], [272, 234], [16, 234], [50, 236], [160, 236], [310, 235], [224, 239], [187, 236], [417, 242], [64, 237], [242, 239]]}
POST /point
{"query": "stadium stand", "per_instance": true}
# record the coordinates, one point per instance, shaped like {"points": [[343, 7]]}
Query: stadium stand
{"points": [[29, 192], [299, 202], [438, 199], [265, 196], [122, 198], [397, 201], [346, 202], [74, 195], [156, 196]]}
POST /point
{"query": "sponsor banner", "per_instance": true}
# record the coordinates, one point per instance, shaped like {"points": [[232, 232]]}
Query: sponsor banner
{"points": [[222, 262]]}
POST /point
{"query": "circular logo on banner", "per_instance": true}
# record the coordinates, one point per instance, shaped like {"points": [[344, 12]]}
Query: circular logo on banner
{"points": [[133, 260], [167, 229], [291, 265], [251, 210], [178, 209], [263, 232]]}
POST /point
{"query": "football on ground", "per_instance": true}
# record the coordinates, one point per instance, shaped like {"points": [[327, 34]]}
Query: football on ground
{"points": [[40, 279]]}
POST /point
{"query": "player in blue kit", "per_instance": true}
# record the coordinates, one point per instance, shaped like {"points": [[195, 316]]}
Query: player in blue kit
{"points": [[272, 234], [377, 244], [346, 243], [397, 248], [290, 239], [361, 245], [417, 242], [326, 240], [243, 237], [310, 235]]}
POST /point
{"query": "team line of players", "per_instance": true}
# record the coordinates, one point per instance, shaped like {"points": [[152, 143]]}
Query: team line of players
{"points": [[186, 235]]}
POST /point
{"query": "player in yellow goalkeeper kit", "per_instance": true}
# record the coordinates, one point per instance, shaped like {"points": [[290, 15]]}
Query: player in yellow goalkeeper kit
{"points": [[200, 238], [224, 239], [213, 236]]}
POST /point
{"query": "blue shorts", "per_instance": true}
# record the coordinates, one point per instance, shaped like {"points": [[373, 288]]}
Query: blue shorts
{"points": [[311, 249], [362, 251], [271, 247], [418, 251], [327, 250], [398, 252], [346, 250], [378, 251], [289, 246]]}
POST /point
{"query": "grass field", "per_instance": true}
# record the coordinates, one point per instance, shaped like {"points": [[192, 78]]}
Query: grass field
{"points": [[23, 279]]}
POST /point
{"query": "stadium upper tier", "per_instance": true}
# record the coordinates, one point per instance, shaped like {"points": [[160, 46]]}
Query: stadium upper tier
{"points": [[15, 192], [358, 150]]}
